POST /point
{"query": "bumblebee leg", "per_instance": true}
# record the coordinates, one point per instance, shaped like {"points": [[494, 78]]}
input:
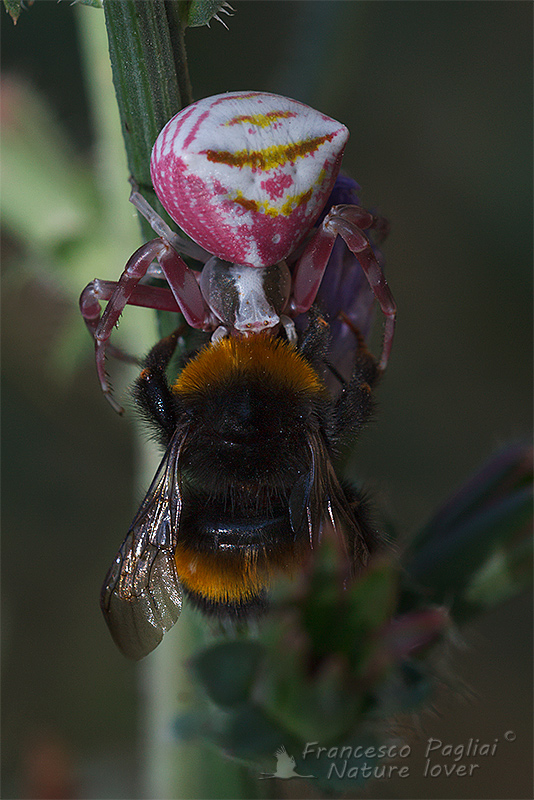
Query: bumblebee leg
{"points": [[152, 391], [355, 404], [313, 343]]}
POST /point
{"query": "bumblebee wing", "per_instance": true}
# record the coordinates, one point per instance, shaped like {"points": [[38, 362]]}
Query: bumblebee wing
{"points": [[320, 503], [141, 597], [339, 516]]}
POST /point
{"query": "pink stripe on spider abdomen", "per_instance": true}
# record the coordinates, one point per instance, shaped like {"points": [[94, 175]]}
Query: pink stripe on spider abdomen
{"points": [[235, 228]]}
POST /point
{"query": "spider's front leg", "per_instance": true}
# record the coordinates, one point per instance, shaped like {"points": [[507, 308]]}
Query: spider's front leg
{"points": [[184, 295], [349, 222]]}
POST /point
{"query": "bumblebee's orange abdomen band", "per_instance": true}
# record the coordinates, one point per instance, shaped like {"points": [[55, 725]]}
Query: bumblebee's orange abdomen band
{"points": [[220, 577], [263, 357]]}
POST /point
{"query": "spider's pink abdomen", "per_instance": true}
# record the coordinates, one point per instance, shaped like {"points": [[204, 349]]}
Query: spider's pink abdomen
{"points": [[246, 174]]}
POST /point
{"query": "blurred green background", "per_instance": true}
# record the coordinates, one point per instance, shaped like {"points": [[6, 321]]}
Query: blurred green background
{"points": [[438, 99]]}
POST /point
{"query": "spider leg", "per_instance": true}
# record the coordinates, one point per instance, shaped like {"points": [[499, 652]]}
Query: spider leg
{"points": [[358, 244], [347, 222], [156, 297], [364, 219], [183, 287], [159, 298], [159, 226]]}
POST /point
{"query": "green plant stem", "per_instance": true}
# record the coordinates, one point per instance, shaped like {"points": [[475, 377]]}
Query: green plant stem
{"points": [[148, 58], [146, 83], [177, 31], [148, 80]]}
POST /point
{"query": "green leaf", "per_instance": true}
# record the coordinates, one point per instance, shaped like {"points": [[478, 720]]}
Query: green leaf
{"points": [[372, 597], [13, 9], [405, 689], [448, 566], [91, 3], [339, 621], [479, 542], [322, 706], [251, 733], [502, 576], [227, 670], [504, 472], [345, 766], [200, 12]]}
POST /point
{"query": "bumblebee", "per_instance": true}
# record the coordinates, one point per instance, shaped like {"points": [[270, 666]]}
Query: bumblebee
{"points": [[247, 485]]}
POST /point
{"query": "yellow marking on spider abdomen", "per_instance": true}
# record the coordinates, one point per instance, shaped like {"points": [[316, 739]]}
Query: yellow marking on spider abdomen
{"points": [[292, 202], [295, 201], [248, 205], [269, 157], [260, 120]]}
